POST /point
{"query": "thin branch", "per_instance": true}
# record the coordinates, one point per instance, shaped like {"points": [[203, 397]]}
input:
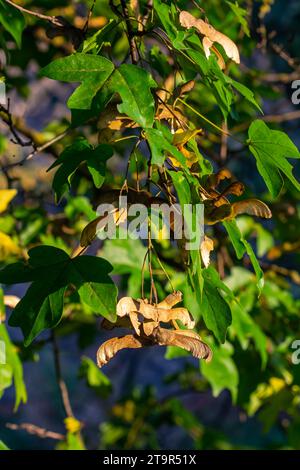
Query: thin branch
{"points": [[36, 150], [52, 19], [8, 120], [279, 50], [280, 77], [86, 25], [290, 116], [284, 117], [36, 431], [64, 393], [224, 143], [132, 45], [48, 144]]}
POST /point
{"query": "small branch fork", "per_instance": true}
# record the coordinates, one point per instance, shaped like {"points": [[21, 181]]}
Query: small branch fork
{"points": [[8, 120]]}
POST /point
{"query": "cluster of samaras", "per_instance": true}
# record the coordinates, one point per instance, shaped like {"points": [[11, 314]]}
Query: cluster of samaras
{"points": [[145, 319]]}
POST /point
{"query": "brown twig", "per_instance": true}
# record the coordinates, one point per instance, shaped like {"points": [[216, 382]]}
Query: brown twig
{"points": [[52, 19], [280, 77], [290, 116], [279, 50], [224, 143], [132, 45], [284, 117], [36, 150], [149, 7], [48, 144], [89, 15], [36, 431], [8, 120], [64, 393]]}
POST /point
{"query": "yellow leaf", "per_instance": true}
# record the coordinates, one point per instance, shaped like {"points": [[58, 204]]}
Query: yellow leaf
{"points": [[276, 384], [181, 138], [7, 247], [72, 425], [6, 195]]}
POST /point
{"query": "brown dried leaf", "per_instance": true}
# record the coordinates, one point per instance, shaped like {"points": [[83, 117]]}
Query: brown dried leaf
{"points": [[237, 189], [169, 112], [211, 35], [188, 340], [215, 179], [110, 118], [90, 231], [128, 305], [183, 89], [171, 300], [110, 348], [206, 247], [166, 315], [134, 318], [251, 207], [214, 214], [148, 327], [230, 211]]}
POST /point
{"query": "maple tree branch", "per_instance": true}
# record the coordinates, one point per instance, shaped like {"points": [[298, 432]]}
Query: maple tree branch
{"points": [[36, 431], [64, 393], [7, 118], [52, 19], [132, 45], [37, 149], [47, 144]]}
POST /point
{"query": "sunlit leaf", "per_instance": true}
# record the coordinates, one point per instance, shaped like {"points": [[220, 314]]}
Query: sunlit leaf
{"points": [[6, 195]]}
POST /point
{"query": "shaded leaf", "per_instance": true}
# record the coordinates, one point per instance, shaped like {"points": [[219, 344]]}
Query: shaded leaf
{"points": [[272, 150], [51, 270], [133, 84], [246, 328], [80, 151], [241, 247], [213, 307], [12, 20], [221, 373], [91, 70]]}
